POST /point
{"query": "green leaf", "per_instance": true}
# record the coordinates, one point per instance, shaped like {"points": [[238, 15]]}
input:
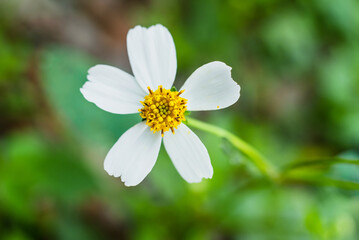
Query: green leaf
{"points": [[324, 181], [320, 162], [330, 171]]}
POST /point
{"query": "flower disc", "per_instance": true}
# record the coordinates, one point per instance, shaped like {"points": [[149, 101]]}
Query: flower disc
{"points": [[163, 109]]}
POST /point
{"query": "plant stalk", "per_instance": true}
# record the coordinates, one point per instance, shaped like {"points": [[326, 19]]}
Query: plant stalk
{"points": [[262, 164]]}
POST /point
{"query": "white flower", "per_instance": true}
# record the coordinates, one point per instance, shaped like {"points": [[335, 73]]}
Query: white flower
{"points": [[152, 56]]}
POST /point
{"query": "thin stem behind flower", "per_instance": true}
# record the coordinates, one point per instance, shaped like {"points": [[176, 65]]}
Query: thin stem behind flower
{"points": [[262, 164]]}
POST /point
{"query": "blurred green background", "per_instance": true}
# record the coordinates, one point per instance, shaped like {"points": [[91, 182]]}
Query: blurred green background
{"points": [[298, 66]]}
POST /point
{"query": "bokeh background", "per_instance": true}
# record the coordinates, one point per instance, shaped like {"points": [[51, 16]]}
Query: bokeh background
{"points": [[298, 66]]}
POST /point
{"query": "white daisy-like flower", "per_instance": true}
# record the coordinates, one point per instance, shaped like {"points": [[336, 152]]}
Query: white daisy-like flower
{"points": [[152, 56]]}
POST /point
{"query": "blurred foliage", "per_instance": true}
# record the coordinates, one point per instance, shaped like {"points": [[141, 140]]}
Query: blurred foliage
{"points": [[297, 64]]}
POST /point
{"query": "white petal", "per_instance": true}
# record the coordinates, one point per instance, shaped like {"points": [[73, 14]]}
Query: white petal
{"points": [[113, 90], [134, 154], [188, 154], [210, 87], [152, 56]]}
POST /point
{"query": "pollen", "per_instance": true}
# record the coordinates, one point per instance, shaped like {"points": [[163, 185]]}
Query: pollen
{"points": [[163, 109]]}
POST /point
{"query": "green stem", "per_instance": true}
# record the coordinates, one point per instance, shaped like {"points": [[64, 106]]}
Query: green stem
{"points": [[263, 165]]}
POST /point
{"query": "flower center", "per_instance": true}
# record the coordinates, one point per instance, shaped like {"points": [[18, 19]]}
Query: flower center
{"points": [[163, 109]]}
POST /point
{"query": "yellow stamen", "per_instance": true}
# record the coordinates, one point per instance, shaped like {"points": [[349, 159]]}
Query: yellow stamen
{"points": [[163, 109], [180, 92]]}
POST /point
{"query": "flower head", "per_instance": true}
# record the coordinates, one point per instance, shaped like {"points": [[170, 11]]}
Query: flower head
{"points": [[153, 61]]}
